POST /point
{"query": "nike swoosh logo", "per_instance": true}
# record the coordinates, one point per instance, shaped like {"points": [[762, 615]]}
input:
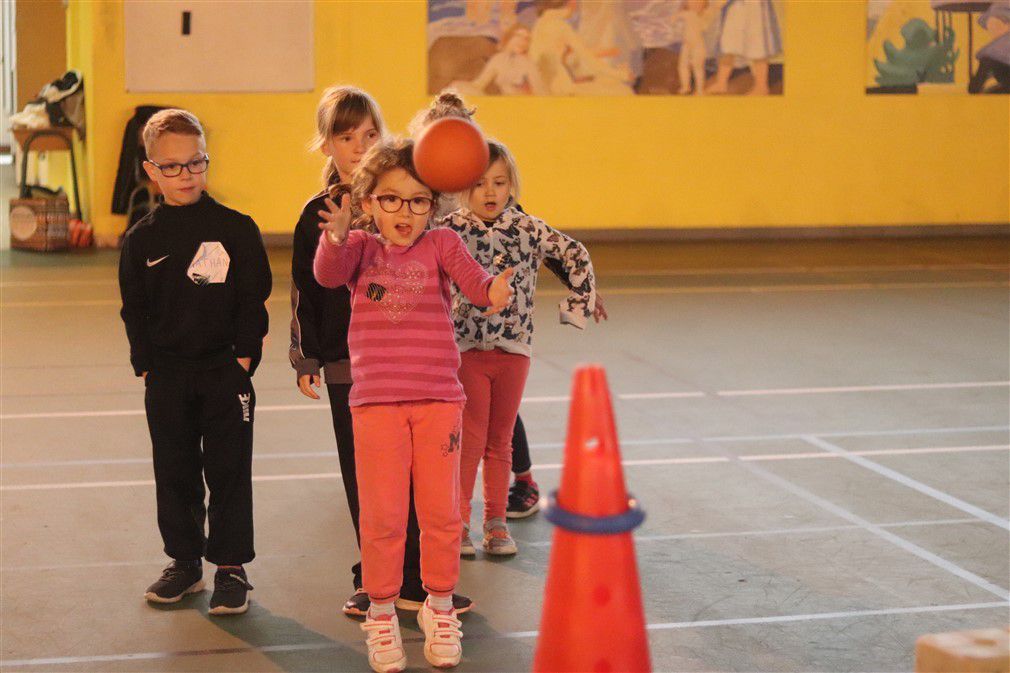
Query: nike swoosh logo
{"points": [[157, 261]]}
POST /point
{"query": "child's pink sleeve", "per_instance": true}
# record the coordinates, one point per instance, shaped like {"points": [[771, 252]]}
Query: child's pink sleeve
{"points": [[337, 265], [456, 262]]}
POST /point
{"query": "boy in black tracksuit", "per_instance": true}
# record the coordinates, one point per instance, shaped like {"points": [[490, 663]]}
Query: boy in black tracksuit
{"points": [[194, 277]]}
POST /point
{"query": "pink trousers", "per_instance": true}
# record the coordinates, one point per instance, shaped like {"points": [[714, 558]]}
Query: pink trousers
{"points": [[494, 381], [392, 443]]}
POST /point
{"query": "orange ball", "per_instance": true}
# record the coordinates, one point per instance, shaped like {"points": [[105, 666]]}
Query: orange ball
{"points": [[451, 154]]}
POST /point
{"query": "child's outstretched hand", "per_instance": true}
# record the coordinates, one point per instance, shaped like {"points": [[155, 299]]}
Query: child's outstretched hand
{"points": [[599, 313], [500, 292], [336, 219]]}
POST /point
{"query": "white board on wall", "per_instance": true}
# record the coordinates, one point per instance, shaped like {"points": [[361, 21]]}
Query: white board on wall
{"points": [[221, 46]]}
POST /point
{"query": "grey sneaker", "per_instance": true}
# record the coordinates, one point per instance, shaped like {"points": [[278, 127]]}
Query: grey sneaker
{"points": [[176, 581], [466, 547], [497, 540]]}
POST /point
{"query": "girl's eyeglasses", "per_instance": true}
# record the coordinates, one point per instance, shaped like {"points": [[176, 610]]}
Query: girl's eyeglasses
{"points": [[419, 205]]}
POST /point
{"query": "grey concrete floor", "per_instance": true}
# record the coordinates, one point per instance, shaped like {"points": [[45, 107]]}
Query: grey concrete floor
{"points": [[817, 430]]}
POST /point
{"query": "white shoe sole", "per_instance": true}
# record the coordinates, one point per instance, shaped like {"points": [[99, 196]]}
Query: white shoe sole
{"points": [[511, 550], [468, 551], [152, 597], [502, 551], [434, 659], [404, 604], [414, 606], [522, 515], [394, 667], [225, 610]]}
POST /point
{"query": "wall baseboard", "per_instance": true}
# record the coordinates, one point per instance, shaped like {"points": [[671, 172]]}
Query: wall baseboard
{"points": [[757, 233]]}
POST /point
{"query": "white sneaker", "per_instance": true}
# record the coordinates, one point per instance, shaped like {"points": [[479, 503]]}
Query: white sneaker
{"points": [[442, 635], [385, 647], [497, 540], [466, 547]]}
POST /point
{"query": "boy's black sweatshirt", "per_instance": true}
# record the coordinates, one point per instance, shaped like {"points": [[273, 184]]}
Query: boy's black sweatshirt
{"points": [[320, 315], [194, 280]]}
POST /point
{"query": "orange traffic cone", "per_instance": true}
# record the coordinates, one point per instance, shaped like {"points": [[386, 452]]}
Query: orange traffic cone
{"points": [[592, 618]]}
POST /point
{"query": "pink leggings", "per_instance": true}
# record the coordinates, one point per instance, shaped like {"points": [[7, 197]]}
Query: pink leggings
{"points": [[393, 442], [494, 382]]}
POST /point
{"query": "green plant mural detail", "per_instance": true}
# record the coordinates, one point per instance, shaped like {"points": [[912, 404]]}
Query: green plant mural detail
{"points": [[925, 58]]}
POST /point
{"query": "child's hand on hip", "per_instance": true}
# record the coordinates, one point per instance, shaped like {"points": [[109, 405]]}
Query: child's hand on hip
{"points": [[336, 219], [500, 292]]}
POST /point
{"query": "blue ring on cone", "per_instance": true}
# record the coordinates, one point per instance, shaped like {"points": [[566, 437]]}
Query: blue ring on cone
{"points": [[594, 525]]}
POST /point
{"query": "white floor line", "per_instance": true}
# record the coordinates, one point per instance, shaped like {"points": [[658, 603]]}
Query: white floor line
{"points": [[515, 635], [614, 291], [80, 282], [771, 532], [900, 542], [904, 480], [879, 452], [659, 396], [724, 271], [769, 289], [864, 389], [642, 462], [638, 538], [765, 270], [859, 433], [849, 614], [540, 399]]}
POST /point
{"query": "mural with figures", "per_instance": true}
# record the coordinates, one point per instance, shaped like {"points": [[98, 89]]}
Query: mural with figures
{"points": [[612, 48], [938, 46]]}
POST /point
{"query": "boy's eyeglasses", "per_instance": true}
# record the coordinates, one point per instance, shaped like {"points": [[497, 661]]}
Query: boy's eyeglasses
{"points": [[195, 167], [419, 205]]}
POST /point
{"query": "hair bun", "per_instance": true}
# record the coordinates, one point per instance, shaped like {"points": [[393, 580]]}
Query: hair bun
{"points": [[449, 103]]}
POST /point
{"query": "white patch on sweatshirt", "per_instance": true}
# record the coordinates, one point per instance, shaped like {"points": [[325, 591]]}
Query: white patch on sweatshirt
{"points": [[210, 264]]}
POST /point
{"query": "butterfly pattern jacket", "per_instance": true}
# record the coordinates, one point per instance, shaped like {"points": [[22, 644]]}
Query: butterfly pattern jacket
{"points": [[516, 239]]}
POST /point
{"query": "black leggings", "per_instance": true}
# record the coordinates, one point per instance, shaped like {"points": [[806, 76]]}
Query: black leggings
{"points": [[520, 449], [344, 430]]}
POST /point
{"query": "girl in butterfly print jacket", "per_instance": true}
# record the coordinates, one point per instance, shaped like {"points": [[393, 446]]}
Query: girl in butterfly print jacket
{"points": [[495, 350]]}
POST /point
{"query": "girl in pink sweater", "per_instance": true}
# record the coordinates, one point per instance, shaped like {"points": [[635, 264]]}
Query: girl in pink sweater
{"points": [[406, 399]]}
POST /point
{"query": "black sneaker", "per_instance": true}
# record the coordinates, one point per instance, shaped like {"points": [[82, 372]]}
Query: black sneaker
{"points": [[357, 605], [460, 603], [524, 499], [176, 581], [231, 592]]}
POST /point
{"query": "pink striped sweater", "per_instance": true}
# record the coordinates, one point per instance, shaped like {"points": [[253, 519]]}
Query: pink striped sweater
{"points": [[401, 339]]}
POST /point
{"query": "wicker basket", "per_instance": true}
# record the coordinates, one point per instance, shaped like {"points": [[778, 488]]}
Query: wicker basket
{"points": [[39, 224]]}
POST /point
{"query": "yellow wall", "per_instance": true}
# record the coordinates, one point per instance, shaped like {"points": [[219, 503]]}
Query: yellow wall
{"points": [[823, 154], [40, 45]]}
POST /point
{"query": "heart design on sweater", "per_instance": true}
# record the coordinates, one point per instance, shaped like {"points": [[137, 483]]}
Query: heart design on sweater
{"points": [[401, 287]]}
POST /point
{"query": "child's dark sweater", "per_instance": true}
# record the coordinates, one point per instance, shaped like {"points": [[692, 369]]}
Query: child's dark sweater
{"points": [[194, 280], [319, 315]]}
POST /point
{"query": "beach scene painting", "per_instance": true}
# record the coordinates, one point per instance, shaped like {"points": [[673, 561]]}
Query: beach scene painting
{"points": [[612, 48]]}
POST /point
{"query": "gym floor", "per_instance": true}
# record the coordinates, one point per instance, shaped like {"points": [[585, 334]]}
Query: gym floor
{"points": [[817, 430]]}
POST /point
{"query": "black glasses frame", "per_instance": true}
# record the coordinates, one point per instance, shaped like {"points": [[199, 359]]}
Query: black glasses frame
{"points": [[175, 170]]}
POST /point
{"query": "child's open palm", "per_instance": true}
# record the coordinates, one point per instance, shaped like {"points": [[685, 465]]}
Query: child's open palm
{"points": [[500, 292], [336, 219]]}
